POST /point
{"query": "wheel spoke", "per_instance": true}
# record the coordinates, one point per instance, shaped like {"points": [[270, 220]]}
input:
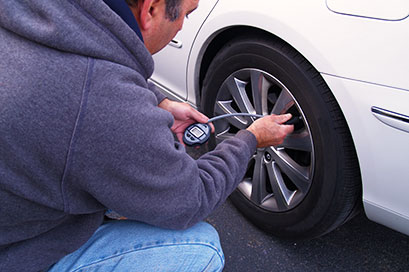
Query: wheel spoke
{"points": [[237, 89], [221, 136], [282, 194], [259, 88], [224, 107], [284, 102], [298, 141], [259, 192], [299, 175]]}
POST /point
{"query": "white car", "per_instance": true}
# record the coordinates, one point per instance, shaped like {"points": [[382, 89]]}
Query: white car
{"points": [[341, 67]]}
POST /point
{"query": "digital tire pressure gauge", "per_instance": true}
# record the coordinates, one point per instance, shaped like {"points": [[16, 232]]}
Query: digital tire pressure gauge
{"points": [[196, 134], [199, 133]]}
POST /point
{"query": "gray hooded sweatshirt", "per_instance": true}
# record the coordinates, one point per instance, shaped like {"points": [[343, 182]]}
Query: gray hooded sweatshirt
{"points": [[81, 132]]}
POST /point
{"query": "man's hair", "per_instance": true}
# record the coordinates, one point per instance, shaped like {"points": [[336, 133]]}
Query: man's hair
{"points": [[172, 8]]}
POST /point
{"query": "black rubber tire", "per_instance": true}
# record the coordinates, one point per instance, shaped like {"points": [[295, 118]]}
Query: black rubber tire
{"points": [[335, 191]]}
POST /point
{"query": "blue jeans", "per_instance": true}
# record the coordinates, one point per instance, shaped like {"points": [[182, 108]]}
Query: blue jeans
{"points": [[125, 245]]}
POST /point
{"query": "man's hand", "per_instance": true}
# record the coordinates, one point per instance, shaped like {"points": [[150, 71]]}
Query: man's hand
{"points": [[184, 115], [270, 130]]}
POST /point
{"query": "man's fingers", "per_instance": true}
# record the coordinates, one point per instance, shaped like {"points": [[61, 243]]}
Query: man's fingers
{"points": [[201, 118], [198, 116], [180, 138], [288, 129], [283, 118], [211, 127]]}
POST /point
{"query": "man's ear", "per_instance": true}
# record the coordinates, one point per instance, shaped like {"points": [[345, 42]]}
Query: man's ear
{"points": [[148, 11]]}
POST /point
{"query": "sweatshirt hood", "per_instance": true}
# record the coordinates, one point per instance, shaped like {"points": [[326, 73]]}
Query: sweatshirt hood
{"points": [[84, 27]]}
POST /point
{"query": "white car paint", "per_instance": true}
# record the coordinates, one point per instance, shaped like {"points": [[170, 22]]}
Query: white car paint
{"points": [[362, 53]]}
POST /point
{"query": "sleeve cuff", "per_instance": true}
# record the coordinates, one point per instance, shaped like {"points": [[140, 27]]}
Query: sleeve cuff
{"points": [[159, 96], [249, 138]]}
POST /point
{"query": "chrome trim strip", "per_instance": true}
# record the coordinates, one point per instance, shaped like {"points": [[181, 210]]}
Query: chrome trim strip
{"points": [[169, 94], [390, 118]]}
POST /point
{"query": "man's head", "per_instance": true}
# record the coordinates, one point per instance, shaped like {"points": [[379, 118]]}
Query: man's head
{"points": [[160, 20]]}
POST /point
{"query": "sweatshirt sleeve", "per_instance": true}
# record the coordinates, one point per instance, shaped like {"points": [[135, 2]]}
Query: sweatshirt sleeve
{"points": [[124, 157], [159, 96]]}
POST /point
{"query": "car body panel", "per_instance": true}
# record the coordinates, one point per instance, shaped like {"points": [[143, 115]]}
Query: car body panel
{"points": [[382, 153], [364, 61], [389, 218]]}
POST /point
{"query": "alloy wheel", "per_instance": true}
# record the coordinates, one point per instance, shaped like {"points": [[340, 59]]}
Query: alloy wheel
{"points": [[278, 178]]}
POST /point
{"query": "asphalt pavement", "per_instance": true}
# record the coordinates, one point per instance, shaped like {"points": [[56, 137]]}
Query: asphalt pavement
{"points": [[359, 245]]}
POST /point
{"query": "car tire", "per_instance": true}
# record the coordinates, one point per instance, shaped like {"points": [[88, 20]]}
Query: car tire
{"points": [[310, 184]]}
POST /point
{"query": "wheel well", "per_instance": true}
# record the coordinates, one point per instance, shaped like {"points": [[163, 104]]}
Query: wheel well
{"points": [[220, 40]]}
